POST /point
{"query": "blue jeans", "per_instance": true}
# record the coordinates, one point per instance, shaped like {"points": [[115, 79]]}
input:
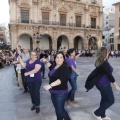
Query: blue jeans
{"points": [[34, 88], [107, 99], [73, 84], [58, 101]]}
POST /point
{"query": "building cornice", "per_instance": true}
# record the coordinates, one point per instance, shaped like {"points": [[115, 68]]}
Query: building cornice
{"points": [[118, 3]]}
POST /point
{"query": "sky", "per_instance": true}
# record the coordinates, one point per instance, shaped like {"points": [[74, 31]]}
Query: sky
{"points": [[4, 9]]}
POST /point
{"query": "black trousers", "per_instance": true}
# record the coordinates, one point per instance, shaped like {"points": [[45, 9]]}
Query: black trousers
{"points": [[43, 70], [25, 85], [15, 71], [107, 99], [34, 88]]}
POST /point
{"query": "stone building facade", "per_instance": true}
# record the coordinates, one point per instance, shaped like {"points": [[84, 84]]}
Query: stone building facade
{"points": [[117, 26], [51, 24]]}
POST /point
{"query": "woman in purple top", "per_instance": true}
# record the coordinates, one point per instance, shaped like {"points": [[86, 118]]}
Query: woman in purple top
{"points": [[71, 61], [104, 85], [58, 87], [34, 80]]}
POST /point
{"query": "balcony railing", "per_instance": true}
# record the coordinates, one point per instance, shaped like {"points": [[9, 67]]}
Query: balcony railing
{"points": [[56, 23], [24, 21], [93, 27]]}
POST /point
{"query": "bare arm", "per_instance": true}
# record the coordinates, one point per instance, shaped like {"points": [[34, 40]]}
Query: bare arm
{"points": [[21, 62], [46, 62], [37, 68], [77, 56], [75, 70], [56, 83], [116, 86]]}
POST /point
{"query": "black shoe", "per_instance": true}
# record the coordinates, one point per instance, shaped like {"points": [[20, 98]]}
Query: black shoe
{"points": [[33, 107], [37, 110], [25, 92], [43, 78]]}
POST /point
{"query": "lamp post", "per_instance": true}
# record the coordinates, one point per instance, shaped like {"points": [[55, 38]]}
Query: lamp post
{"points": [[37, 37]]}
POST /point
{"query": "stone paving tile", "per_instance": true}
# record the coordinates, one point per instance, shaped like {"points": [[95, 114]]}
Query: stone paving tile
{"points": [[14, 105]]}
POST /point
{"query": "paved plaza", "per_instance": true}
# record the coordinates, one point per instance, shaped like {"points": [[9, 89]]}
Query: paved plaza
{"points": [[14, 105]]}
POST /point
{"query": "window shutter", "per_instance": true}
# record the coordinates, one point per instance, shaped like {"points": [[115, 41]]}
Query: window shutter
{"points": [[93, 22], [63, 19], [45, 18], [25, 16], [78, 21]]}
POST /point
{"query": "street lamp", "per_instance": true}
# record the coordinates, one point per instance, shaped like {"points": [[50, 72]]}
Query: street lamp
{"points": [[37, 36]]}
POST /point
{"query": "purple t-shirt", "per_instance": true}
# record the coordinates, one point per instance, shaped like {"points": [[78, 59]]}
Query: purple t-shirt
{"points": [[104, 80], [71, 62], [31, 66], [56, 91]]}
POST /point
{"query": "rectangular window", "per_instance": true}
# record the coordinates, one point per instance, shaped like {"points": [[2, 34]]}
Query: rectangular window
{"points": [[78, 21], [93, 1], [63, 19], [103, 37], [93, 22], [25, 16], [45, 18], [110, 40]]}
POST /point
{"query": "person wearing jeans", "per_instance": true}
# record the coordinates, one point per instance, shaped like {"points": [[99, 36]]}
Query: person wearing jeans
{"points": [[58, 85], [104, 84], [106, 101], [58, 101], [71, 61], [73, 84], [34, 79]]}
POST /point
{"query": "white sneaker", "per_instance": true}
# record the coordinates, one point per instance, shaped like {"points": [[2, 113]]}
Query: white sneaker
{"points": [[98, 118], [106, 118]]}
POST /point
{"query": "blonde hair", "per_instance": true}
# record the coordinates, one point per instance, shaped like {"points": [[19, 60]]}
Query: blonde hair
{"points": [[101, 56]]}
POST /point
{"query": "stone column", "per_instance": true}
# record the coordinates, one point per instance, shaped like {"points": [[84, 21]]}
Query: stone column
{"points": [[34, 43], [71, 43]]}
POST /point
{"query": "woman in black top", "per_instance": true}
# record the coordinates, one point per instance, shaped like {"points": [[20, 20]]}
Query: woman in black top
{"points": [[58, 85], [104, 84]]}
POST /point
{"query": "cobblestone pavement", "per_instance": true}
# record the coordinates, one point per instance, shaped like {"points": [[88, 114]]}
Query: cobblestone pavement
{"points": [[14, 105]]}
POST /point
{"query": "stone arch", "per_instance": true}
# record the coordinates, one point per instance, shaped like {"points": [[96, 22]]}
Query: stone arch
{"points": [[25, 40], [62, 42], [78, 42], [45, 42], [25, 33]]}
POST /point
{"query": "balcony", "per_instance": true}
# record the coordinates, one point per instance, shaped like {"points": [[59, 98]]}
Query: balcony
{"points": [[94, 27], [56, 23], [24, 21]]}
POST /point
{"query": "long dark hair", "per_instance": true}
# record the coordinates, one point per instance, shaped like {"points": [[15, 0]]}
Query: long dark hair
{"points": [[64, 62]]}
